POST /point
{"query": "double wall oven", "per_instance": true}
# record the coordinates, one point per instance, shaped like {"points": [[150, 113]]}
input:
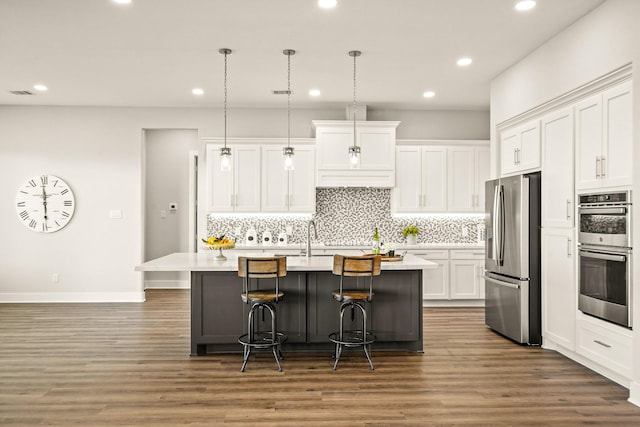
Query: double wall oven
{"points": [[605, 253]]}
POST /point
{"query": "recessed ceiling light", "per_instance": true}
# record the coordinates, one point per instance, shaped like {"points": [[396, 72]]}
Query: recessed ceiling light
{"points": [[314, 92], [197, 91], [327, 4], [463, 62], [122, 1], [525, 5], [40, 87], [429, 94]]}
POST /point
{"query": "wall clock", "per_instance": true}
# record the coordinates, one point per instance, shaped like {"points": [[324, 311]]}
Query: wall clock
{"points": [[45, 203]]}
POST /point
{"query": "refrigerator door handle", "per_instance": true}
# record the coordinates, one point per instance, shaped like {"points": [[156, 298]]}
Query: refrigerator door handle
{"points": [[496, 232], [501, 283], [501, 224]]}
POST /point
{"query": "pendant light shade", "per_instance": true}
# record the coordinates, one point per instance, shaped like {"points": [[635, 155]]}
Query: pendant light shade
{"points": [[288, 151], [354, 150], [225, 152]]}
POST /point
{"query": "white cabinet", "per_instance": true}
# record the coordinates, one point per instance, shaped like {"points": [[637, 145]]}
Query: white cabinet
{"points": [[288, 191], [468, 169], [435, 281], [609, 345], [421, 177], [377, 160], [467, 274], [237, 190], [604, 139], [559, 293], [557, 166], [520, 149]]}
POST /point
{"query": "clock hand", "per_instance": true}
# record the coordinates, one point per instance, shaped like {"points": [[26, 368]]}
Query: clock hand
{"points": [[44, 202]]}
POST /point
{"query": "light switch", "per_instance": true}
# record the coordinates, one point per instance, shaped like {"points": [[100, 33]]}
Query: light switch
{"points": [[115, 214], [163, 214], [173, 206]]}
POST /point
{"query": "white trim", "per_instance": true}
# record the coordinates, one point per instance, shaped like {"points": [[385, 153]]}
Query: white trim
{"points": [[166, 284], [453, 303], [634, 393], [193, 187], [258, 141], [66, 297], [445, 142]]}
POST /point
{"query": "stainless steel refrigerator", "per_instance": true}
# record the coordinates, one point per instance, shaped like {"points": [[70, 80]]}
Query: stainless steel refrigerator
{"points": [[512, 263]]}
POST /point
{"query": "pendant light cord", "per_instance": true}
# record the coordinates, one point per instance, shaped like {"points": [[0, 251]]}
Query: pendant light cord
{"points": [[289, 98], [354, 99], [225, 99]]}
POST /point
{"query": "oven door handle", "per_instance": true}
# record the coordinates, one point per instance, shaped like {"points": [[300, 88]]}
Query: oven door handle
{"points": [[606, 257], [602, 211]]}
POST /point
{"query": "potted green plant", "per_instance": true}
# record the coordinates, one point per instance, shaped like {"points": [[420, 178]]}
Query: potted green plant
{"points": [[410, 232]]}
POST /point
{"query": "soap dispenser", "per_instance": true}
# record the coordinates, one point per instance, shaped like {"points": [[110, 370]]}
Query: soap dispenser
{"points": [[251, 237], [267, 239]]}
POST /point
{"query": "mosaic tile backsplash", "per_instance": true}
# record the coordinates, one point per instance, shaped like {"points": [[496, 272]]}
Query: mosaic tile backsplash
{"points": [[347, 216]]}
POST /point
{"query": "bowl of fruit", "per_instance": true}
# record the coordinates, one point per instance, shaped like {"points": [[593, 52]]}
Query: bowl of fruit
{"points": [[219, 243]]}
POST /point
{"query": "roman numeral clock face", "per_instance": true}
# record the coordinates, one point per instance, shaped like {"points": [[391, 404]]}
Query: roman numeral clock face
{"points": [[45, 204]]}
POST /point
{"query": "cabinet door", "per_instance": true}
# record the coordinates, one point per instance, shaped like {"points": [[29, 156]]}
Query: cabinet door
{"points": [[407, 194], [466, 279], [302, 186], [333, 147], [246, 176], [557, 182], [435, 281], [528, 156], [588, 128], [483, 173], [434, 179], [378, 147], [617, 159], [559, 289], [275, 196], [509, 145], [219, 183], [461, 179]]}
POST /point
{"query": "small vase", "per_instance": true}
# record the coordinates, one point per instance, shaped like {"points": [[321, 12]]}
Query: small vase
{"points": [[412, 239]]}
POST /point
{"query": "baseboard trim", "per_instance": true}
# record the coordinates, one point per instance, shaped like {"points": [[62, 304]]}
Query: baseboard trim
{"points": [[167, 284], [66, 297], [453, 303], [634, 393]]}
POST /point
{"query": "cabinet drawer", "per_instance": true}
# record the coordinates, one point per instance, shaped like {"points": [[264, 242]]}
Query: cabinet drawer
{"points": [[467, 254], [431, 254], [606, 346]]}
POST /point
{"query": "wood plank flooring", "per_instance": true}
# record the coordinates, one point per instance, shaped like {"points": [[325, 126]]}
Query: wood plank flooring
{"points": [[129, 364]]}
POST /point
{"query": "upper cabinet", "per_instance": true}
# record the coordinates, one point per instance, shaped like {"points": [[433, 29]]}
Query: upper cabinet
{"points": [[421, 179], [557, 166], [604, 139], [520, 149], [236, 190], [440, 178], [377, 142], [468, 170], [288, 191]]}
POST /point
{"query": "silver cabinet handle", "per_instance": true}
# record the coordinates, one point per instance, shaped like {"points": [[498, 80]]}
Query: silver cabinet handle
{"points": [[515, 156], [602, 343], [568, 209], [603, 166], [569, 253], [519, 156], [597, 166]]}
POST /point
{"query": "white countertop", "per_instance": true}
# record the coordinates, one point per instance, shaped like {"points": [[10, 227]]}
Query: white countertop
{"points": [[205, 261], [398, 246]]}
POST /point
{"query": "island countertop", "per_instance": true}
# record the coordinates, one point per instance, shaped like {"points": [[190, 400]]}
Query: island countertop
{"points": [[204, 261]]}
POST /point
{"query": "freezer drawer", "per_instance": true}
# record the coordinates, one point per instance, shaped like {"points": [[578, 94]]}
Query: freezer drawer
{"points": [[507, 307]]}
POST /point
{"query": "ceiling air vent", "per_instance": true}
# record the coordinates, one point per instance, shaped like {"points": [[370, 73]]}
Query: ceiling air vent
{"points": [[21, 92], [282, 92]]}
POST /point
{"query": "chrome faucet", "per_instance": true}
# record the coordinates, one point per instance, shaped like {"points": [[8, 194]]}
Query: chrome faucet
{"points": [[315, 233]]}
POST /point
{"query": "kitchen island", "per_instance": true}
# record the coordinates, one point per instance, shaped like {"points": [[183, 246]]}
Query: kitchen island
{"points": [[308, 313]]}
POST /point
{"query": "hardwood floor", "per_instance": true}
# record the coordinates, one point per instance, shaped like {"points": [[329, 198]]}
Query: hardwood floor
{"points": [[129, 364]]}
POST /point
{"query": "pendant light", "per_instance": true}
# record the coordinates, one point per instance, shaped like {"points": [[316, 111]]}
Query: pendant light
{"points": [[225, 152], [354, 150], [288, 151]]}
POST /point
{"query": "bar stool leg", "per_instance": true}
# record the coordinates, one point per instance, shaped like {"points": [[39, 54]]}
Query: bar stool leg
{"points": [[364, 336]]}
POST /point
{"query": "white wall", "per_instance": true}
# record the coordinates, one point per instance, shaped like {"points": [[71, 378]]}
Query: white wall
{"points": [[600, 42], [98, 151]]}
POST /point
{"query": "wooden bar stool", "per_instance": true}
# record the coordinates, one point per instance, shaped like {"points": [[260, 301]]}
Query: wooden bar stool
{"points": [[261, 300], [354, 266]]}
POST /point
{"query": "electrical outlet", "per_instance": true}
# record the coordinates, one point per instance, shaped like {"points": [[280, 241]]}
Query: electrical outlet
{"points": [[238, 230], [55, 278], [163, 214], [465, 232], [173, 206], [289, 229]]}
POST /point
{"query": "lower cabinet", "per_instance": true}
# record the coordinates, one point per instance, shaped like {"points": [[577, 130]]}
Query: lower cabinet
{"points": [[559, 290], [608, 345], [458, 276]]}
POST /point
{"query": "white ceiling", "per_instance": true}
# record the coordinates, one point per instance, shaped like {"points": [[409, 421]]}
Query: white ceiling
{"points": [[153, 52]]}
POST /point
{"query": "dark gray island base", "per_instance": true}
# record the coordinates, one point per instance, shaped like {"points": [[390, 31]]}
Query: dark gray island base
{"points": [[308, 313]]}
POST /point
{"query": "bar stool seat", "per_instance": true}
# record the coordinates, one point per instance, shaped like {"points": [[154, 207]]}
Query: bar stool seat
{"points": [[354, 299], [261, 300]]}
